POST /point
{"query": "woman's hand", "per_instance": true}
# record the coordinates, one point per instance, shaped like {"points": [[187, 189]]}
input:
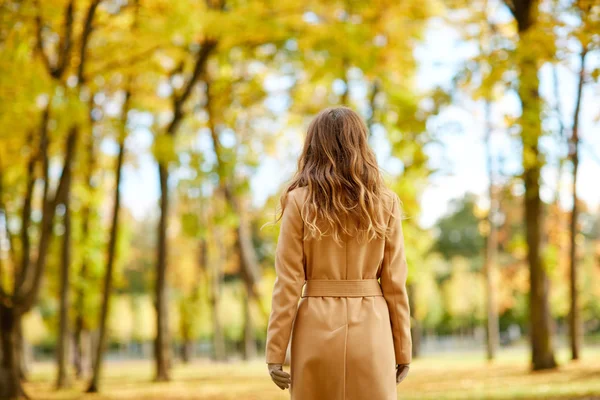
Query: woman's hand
{"points": [[279, 376], [401, 372]]}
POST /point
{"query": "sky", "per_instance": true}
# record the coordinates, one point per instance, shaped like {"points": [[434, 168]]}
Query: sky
{"points": [[459, 154]]}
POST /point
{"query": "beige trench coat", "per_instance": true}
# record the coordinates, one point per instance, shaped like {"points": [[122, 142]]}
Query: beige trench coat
{"points": [[352, 325]]}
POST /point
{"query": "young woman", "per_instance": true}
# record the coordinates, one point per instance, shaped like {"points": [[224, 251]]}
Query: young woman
{"points": [[341, 238]]}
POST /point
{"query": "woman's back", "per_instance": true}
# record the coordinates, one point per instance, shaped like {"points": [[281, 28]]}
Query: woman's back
{"points": [[352, 324], [351, 259]]}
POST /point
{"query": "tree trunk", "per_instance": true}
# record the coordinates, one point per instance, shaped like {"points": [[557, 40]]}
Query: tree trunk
{"points": [[575, 328], [27, 201], [249, 268], [77, 356], [575, 331], [247, 255], [23, 353], [161, 343], [415, 326], [10, 382], [62, 347], [187, 350], [92, 344], [81, 350], [108, 278], [219, 351], [249, 337], [542, 355], [215, 300], [491, 249]]}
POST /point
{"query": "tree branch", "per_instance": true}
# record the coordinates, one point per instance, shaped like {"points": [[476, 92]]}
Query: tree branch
{"points": [[44, 142], [25, 298], [372, 97], [574, 142], [24, 272], [3, 209], [40, 40], [85, 36], [26, 221], [207, 46], [65, 44], [179, 100], [8, 233], [66, 41]]}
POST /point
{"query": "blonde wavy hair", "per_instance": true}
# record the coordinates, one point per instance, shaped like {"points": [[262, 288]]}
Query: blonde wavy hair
{"points": [[342, 177]]}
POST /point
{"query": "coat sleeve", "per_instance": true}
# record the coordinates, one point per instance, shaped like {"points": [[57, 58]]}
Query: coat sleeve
{"points": [[289, 266], [393, 284]]}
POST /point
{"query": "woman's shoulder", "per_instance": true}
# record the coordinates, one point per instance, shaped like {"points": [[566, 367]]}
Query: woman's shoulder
{"points": [[389, 198], [298, 193], [295, 197], [391, 204]]}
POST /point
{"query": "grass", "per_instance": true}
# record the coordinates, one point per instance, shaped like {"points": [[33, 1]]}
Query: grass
{"points": [[447, 376]]}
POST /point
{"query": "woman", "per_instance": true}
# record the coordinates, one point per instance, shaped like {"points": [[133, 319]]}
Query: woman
{"points": [[341, 237]]}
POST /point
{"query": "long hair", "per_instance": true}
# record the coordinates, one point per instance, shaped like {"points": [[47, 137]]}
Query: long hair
{"points": [[342, 177]]}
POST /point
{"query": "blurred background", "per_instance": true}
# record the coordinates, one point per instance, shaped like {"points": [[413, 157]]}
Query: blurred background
{"points": [[145, 144]]}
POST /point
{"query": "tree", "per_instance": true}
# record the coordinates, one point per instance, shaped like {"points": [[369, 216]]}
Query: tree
{"points": [[525, 13], [80, 350], [83, 283], [588, 23], [63, 334], [216, 277], [491, 247], [64, 331], [111, 253], [28, 279], [26, 43], [575, 328]]}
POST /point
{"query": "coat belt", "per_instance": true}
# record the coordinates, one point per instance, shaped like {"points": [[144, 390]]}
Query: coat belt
{"points": [[342, 288]]}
